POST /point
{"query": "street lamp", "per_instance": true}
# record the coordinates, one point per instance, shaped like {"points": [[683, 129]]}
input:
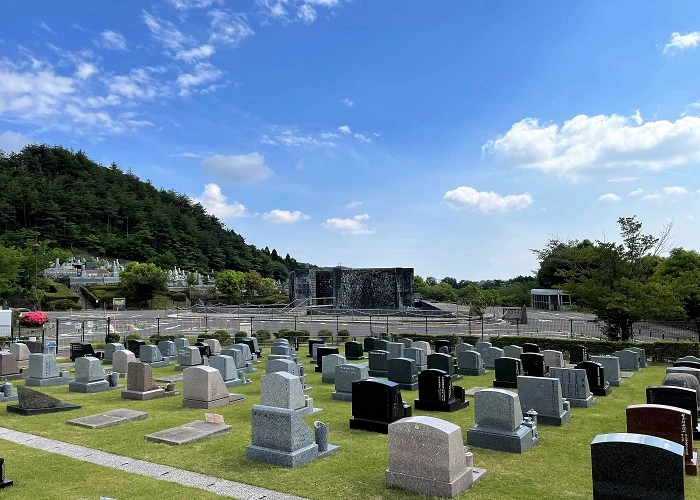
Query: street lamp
{"points": [[337, 331], [35, 247], [251, 325]]}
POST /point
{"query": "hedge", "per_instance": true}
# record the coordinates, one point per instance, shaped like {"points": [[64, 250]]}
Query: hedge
{"points": [[59, 297]]}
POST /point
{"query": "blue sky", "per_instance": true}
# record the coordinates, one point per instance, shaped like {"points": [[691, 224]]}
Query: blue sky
{"points": [[449, 136]]}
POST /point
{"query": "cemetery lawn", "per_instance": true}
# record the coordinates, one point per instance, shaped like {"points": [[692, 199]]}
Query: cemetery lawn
{"points": [[558, 467]]}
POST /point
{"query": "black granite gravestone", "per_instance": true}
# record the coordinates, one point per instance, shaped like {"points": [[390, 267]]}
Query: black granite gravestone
{"points": [[4, 483], [204, 349], [250, 342], [578, 354], [353, 350], [441, 361], [404, 372], [80, 349], [687, 364], [529, 347], [368, 344], [311, 346], [680, 397], [533, 364], [636, 466], [436, 392], [323, 351], [443, 343], [376, 404], [507, 371], [134, 345], [596, 378]]}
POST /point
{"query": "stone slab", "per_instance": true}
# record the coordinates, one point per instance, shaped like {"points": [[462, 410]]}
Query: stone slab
{"points": [[169, 379], [474, 390], [232, 398], [188, 433], [626, 374], [60, 407], [109, 419]]}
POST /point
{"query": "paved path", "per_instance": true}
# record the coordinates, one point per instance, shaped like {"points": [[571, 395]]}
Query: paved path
{"points": [[156, 471]]}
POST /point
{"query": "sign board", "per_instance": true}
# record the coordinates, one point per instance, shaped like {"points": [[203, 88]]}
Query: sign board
{"points": [[118, 302]]}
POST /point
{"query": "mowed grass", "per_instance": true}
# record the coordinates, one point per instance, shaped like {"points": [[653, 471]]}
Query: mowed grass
{"points": [[558, 467]]}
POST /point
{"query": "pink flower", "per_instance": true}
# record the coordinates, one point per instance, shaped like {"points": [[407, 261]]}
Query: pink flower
{"points": [[36, 318]]}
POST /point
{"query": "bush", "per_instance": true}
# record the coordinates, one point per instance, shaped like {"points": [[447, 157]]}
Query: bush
{"points": [[34, 319], [343, 335], [156, 337], [133, 336], [240, 334], [62, 305], [263, 335], [324, 334], [112, 337], [280, 334], [58, 297], [290, 335]]}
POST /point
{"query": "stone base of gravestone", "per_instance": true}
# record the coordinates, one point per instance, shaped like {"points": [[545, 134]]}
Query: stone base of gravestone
{"points": [[341, 396], [232, 398], [362, 424], [453, 404], [147, 395], [378, 373], [169, 379], [472, 372], [407, 387], [188, 433], [33, 402], [109, 419], [505, 384], [626, 374], [282, 458], [518, 441], [582, 403], [89, 387], [48, 382], [602, 391], [159, 364]]}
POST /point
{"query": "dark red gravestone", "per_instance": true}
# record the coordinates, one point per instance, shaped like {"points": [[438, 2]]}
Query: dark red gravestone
{"points": [[667, 422]]}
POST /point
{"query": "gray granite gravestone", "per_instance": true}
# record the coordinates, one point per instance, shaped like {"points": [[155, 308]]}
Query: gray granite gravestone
{"points": [[203, 387], [499, 423], [611, 364], [481, 345], [227, 367], [249, 358], [43, 372], [404, 372], [381, 345], [32, 402], [214, 345], [281, 437], [378, 363], [470, 363], [20, 351], [89, 376], [284, 390], [151, 354], [187, 357], [345, 375], [110, 349], [314, 349], [686, 380], [636, 466], [629, 360], [692, 359], [641, 353], [554, 358], [489, 355], [167, 349], [9, 370], [121, 360], [395, 349], [574, 386], [463, 347], [425, 346], [330, 361], [426, 455], [695, 372], [281, 350], [237, 355], [181, 342], [418, 355], [140, 385], [543, 394], [406, 342], [512, 351]]}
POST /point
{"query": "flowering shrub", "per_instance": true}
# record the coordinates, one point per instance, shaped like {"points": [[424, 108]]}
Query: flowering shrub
{"points": [[36, 318]]}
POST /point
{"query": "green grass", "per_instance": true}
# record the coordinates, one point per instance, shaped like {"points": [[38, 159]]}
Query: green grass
{"points": [[559, 466]]}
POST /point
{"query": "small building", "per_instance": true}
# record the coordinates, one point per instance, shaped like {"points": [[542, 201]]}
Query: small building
{"points": [[549, 299]]}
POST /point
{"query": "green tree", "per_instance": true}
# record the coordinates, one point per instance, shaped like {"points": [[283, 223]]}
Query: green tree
{"points": [[267, 287], [141, 282], [253, 282], [681, 270], [230, 283]]}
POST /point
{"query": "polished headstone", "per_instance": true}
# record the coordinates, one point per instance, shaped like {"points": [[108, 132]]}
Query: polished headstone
{"points": [[404, 372], [44, 372], [330, 362], [611, 364], [543, 394], [553, 358], [375, 404], [203, 387], [418, 355], [512, 351], [345, 375], [596, 378], [378, 363], [121, 360], [89, 376], [578, 354], [507, 372], [436, 392], [574, 386], [353, 350], [629, 360], [533, 364], [110, 349], [489, 355], [470, 363]]}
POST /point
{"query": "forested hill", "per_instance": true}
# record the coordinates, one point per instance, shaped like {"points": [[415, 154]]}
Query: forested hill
{"points": [[81, 206]]}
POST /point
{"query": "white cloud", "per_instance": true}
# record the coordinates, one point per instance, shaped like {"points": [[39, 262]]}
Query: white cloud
{"points": [[112, 40], [486, 201], [305, 9], [354, 204], [329, 135], [636, 192], [348, 102], [356, 225], [202, 74], [12, 142], [238, 168], [138, 84], [599, 142], [609, 197], [166, 33], [284, 216], [86, 70], [362, 138], [345, 129], [306, 13], [229, 29], [215, 203], [680, 42], [674, 191], [46, 27], [190, 55], [192, 4], [622, 179]]}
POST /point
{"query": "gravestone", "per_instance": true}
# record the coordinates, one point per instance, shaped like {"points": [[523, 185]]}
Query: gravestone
{"points": [[436, 392], [463, 347], [440, 343], [110, 349], [368, 344], [204, 349], [418, 355], [315, 351], [121, 360], [629, 360], [281, 350], [679, 397], [642, 355], [381, 345], [151, 354], [378, 364], [376, 404], [20, 351], [636, 466], [533, 364], [507, 372], [189, 433], [554, 358], [227, 367], [181, 342], [187, 357], [43, 372], [353, 350], [134, 345], [666, 422], [444, 362], [470, 363], [238, 353], [321, 352], [611, 364], [683, 380], [248, 355], [203, 387], [543, 394], [406, 342], [422, 344], [395, 349], [512, 351], [404, 372], [530, 347], [490, 355], [692, 359], [284, 390], [695, 372], [596, 378], [500, 424], [426, 455], [330, 362], [4, 482], [312, 343], [167, 348], [214, 346], [9, 370], [89, 376], [345, 375], [140, 385], [482, 345], [687, 364], [32, 402], [578, 354], [252, 343], [280, 437], [109, 419], [574, 386]]}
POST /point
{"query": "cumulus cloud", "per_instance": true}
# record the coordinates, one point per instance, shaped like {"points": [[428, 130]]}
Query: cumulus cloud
{"points": [[636, 192], [203, 73], [345, 129], [215, 203], [355, 225], [12, 142], [587, 143], [348, 102], [238, 168], [680, 42], [486, 201], [190, 55], [609, 197], [112, 40], [362, 137], [666, 193], [86, 70], [284, 216]]}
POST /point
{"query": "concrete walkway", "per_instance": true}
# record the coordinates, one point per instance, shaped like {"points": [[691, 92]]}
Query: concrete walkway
{"points": [[156, 471]]}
